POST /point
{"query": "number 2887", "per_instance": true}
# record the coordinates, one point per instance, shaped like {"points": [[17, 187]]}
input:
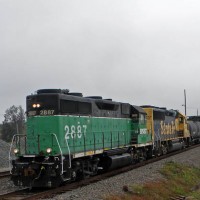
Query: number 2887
{"points": [[46, 112]]}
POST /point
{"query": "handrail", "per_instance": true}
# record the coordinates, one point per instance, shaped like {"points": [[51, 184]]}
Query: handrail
{"points": [[11, 146], [94, 142], [118, 139], [159, 135], [9, 156], [103, 139], [61, 153]]}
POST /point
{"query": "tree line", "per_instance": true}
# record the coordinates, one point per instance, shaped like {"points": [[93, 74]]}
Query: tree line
{"points": [[13, 123]]}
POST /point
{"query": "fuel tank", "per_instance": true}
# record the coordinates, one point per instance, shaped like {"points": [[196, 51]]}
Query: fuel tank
{"points": [[175, 145], [116, 161]]}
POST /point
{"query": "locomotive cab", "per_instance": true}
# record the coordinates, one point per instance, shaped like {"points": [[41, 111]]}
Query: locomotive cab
{"points": [[140, 133]]}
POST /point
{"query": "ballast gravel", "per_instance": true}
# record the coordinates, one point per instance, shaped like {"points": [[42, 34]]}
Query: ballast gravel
{"points": [[114, 185], [4, 154]]}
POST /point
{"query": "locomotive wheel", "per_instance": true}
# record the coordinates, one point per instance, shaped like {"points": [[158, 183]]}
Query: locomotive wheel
{"points": [[164, 150], [73, 175]]}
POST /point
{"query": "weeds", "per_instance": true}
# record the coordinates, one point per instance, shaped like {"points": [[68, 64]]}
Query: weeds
{"points": [[180, 180]]}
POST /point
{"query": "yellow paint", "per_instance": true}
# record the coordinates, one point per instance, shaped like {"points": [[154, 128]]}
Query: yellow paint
{"points": [[150, 126], [89, 153], [181, 125]]}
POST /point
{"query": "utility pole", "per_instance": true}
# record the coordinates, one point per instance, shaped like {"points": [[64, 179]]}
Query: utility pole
{"points": [[185, 101]]}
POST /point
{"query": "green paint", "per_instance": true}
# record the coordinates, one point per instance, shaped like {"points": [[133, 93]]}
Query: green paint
{"points": [[80, 133]]}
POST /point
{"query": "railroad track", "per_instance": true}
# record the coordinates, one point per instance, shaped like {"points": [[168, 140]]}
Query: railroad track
{"points": [[27, 194], [21, 194], [4, 174]]}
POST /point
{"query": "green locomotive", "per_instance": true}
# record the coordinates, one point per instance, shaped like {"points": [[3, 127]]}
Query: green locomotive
{"points": [[70, 136]]}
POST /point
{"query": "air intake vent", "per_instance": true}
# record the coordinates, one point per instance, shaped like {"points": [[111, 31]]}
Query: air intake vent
{"points": [[76, 94], [94, 97], [44, 91]]}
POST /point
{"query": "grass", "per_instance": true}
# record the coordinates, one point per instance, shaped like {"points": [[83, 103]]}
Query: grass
{"points": [[179, 180]]}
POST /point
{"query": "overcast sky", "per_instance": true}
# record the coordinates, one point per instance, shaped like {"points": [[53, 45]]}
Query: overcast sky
{"points": [[135, 51]]}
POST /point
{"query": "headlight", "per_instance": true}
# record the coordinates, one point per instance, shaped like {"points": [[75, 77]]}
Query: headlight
{"points": [[49, 150], [16, 151], [36, 105]]}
